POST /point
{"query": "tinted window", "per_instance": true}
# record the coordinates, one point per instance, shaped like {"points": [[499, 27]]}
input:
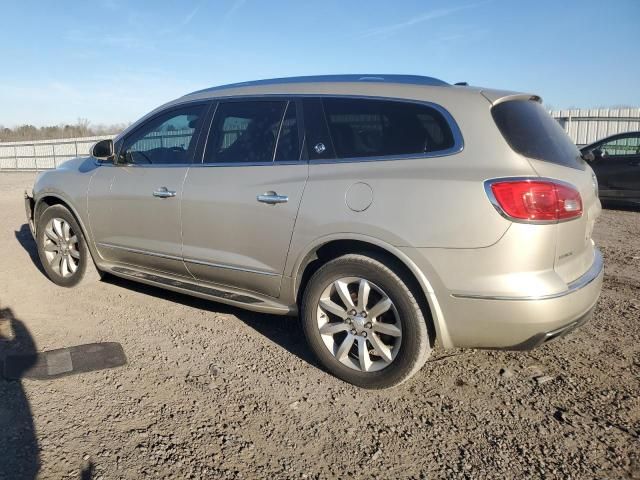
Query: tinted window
{"points": [[166, 139], [288, 140], [317, 140], [622, 146], [244, 131], [530, 131], [371, 128]]}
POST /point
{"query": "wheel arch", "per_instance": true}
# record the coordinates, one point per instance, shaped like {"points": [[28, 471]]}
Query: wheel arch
{"points": [[328, 248], [50, 199]]}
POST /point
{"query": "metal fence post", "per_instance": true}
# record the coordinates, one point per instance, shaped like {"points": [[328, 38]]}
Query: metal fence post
{"points": [[35, 156], [15, 155]]}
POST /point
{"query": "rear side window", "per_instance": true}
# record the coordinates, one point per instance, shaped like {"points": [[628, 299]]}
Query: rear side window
{"points": [[244, 132], [374, 128], [531, 131]]}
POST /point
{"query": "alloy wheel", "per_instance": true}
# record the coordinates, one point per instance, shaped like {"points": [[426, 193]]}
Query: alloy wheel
{"points": [[61, 247], [359, 324]]}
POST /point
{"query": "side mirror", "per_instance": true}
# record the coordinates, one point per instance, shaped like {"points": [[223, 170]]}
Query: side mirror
{"points": [[103, 150]]}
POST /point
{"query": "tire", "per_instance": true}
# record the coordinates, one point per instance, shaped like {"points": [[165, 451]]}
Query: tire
{"points": [[65, 261], [396, 341]]}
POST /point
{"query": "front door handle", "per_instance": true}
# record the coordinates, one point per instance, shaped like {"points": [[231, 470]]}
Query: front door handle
{"points": [[163, 192], [272, 198]]}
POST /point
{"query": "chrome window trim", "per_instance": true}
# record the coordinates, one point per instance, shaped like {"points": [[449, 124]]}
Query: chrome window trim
{"points": [[384, 158], [588, 277], [201, 165], [248, 164], [458, 139], [155, 165], [158, 111], [187, 260], [132, 129], [492, 198]]}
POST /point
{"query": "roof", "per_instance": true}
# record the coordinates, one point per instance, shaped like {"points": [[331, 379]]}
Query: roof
{"points": [[352, 78]]}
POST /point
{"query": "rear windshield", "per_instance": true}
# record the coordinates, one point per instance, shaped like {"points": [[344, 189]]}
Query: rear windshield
{"points": [[531, 131]]}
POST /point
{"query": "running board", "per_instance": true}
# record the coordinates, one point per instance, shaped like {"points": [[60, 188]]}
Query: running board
{"points": [[242, 300]]}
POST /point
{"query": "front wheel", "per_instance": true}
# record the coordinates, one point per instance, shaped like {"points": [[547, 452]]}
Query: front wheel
{"points": [[62, 247], [363, 322]]}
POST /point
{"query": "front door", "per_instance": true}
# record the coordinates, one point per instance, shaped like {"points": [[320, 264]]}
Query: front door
{"points": [[134, 203], [239, 206], [617, 166]]}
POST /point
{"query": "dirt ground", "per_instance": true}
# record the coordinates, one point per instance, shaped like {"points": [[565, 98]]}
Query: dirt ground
{"points": [[215, 392]]}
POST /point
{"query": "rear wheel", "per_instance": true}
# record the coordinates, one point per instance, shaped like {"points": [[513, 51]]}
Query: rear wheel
{"points": [[62, 248], [363, 322]]}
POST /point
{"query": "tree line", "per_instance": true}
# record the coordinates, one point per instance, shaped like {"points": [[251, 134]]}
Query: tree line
{"points": [[82, 128]]}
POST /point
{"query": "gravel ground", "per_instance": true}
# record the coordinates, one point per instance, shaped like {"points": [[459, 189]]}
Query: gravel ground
{"points": [[215, 392]]}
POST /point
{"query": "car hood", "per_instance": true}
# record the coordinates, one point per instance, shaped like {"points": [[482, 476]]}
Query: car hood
{"points": [[81, 164]]}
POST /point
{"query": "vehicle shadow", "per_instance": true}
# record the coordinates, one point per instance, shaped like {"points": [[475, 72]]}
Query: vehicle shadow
{"points": [[19, 452], [26, 241], [624, 207], [283, 330]]}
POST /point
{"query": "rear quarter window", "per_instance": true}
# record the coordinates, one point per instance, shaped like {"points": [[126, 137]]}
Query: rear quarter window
{"points": [[378, 128], [531, 131]]}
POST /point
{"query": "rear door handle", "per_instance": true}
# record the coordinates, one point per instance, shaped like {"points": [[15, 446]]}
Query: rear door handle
{"points": [[272, 198], [163, 192]]}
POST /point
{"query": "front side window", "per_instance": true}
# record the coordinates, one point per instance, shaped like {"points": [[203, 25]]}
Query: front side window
{"points": [[624, 146], [373, 128], [244, 132], [166, 139]]}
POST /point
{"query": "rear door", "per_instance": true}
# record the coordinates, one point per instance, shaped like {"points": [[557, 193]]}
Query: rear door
{"points": [[134, 204], [240, 205], [532, 132]]}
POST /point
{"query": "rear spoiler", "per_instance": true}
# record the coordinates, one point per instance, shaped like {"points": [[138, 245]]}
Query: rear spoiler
{"points": [[495, 96]]}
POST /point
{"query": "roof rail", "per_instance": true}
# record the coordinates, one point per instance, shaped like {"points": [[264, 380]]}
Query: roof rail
{"points": [[404, 79]]}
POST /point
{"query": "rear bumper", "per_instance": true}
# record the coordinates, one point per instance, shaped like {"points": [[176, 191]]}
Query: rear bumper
{"points": [[519, 322], [28, 206], [544, 337]]}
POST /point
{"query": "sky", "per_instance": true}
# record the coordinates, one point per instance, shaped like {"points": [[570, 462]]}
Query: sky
{"points": [[112, 61]]}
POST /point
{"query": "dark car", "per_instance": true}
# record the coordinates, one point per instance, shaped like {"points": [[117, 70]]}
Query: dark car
{"points": [[616, 162]]}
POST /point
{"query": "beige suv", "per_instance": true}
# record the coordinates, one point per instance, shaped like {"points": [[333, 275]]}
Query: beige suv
{"points": [[389, 212]]}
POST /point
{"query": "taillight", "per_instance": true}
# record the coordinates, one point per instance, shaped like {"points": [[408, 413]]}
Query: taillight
{"points": [[534, 201]]}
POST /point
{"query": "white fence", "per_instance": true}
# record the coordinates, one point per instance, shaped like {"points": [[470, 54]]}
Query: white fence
{"points": [[583, 126], [44, 154], [587, 126]]}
